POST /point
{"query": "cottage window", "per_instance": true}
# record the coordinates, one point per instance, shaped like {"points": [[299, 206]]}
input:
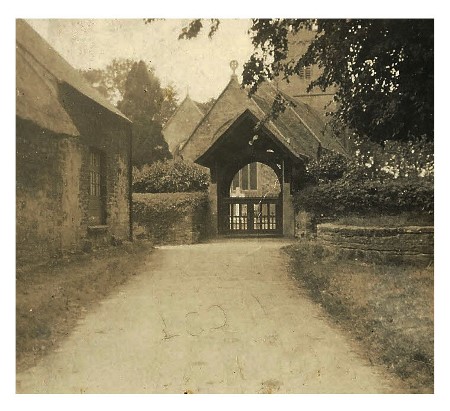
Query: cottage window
{"points": [[97, 212]]}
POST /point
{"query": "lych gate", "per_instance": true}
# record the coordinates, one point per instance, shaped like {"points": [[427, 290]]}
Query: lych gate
{"points": [[238, 130], [246, 141]]}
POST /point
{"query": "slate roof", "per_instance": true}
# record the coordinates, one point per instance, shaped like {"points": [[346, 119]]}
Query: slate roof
{"points": [[181, 124], [301, 129], [38, 65]]}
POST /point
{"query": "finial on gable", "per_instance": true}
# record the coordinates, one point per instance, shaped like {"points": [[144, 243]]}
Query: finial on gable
{"points": [[234, 65]]}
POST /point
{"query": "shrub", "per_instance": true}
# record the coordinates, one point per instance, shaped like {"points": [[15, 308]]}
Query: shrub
{"points": [[331, 166], [163, 214], [170, 176], [165, 207], [363, 197]]}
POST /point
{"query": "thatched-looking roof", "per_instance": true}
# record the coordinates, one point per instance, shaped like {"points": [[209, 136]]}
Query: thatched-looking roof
{"points": [[39, 71], [300, 128]]}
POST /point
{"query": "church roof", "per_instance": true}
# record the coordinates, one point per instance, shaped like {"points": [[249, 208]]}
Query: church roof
{"points": [[182, 123], [300, 128], [38, 65]]}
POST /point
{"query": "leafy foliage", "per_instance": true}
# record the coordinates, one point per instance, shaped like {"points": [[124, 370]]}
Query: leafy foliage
{"points": [[399, 159], [196, 25], [366, 197], [206, 106], [143, 95], [142, 102], [170, 177], [382, 70], [110, 82], [152, 206], [331, 166], [149, 145], [386, 180], [162, 217]]}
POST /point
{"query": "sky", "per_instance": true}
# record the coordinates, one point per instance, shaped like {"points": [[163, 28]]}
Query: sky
{"points": [[201, 65]]}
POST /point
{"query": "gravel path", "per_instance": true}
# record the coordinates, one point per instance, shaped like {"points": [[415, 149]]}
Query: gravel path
{"points": [[223, 317]]}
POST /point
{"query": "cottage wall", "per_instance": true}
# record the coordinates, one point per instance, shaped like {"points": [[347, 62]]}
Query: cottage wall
{"points": [[60, 120], [52, 186], [102, 130]]}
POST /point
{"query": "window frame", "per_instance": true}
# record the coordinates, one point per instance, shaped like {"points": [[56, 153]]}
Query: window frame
{"points": [[97, 186]]}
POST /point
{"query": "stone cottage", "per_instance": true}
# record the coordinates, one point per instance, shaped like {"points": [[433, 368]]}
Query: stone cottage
{"points": [[73, 157]]}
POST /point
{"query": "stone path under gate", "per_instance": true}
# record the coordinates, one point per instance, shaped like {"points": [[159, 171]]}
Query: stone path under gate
{"points": [[223, 317]]}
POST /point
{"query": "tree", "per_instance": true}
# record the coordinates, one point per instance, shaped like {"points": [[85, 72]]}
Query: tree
{"points": [[110, 82], [169, 103], [206, 106], [383, 70], [142, 101]]}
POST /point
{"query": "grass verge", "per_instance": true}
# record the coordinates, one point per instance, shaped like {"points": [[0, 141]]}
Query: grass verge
{"points": [[52, 297], [388, 309]]}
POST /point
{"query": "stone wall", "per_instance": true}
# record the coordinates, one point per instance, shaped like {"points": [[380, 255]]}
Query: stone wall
{"points": [[399, 244], [52, 187], [304, 225]]}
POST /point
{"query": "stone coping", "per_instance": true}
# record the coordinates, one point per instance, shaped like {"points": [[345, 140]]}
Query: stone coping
{"points": [[376, 230]]}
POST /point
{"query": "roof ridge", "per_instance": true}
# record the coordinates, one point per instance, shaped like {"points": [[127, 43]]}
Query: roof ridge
{"points": [[179, 108], [90, 92], [197, 107], [232, 80]]}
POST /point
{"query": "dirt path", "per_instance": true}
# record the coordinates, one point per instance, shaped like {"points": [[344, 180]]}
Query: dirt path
{"points": [[223, 317]]}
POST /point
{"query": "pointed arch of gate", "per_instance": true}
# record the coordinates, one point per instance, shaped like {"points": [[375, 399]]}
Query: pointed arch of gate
{"points": [[249, 215], [230, 170]]}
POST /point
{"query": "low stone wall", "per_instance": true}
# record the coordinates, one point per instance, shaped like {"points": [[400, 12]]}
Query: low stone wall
{"points": [[400, 244], [171, 218], [304, 225]]}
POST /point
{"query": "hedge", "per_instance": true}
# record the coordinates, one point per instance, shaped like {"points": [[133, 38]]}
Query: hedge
{"points": [[164, 216], [170, 176], [389, 197], [164, 207]]}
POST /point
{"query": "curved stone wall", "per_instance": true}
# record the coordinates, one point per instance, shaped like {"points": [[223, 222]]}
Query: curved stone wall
{"points": [[396, 244]]}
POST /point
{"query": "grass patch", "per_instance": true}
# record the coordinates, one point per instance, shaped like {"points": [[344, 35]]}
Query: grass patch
{"points": [[387, 308], [52, 297]]}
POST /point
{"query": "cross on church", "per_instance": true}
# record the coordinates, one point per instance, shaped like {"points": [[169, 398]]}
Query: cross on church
{"points": [[234, 65]]}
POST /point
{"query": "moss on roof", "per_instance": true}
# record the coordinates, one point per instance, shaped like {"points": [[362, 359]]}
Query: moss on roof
{"points": [[300, 128], [37, 99]]}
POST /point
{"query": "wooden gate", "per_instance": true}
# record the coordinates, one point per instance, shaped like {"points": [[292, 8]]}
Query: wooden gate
{"points": [[251, 215]]}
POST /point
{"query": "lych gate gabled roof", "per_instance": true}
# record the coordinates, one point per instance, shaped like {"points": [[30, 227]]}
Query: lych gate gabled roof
{"points": [[300, 129], [234, 142], [37, 100]]}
